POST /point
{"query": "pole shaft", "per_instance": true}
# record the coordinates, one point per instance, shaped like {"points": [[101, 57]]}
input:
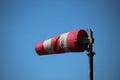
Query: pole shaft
{"points": [[90, 63]]}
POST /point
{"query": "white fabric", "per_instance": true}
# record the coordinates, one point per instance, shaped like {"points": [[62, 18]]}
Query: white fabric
{"points": [[63, 42], [48, 46]]}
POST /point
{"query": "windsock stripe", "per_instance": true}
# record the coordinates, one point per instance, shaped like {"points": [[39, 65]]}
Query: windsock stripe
{"points": [[48, 47], [71, 40], [63, 42], [40, 49], [56, 45]]}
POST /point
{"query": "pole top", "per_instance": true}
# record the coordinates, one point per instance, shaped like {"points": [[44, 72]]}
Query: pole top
{"points": [[90, 44]]}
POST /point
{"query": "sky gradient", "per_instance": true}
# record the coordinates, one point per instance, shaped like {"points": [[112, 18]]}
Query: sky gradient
{"points": [[24, 23]]}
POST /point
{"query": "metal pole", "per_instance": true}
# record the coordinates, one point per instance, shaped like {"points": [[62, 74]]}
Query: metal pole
{"points": [[90, 54], [90, 65]]}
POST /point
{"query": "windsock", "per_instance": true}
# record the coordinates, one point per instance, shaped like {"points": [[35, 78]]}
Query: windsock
{"points": [[66, 42]]}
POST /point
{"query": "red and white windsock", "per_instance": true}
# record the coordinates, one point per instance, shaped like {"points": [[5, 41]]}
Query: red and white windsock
{"points": [[66, 42]]}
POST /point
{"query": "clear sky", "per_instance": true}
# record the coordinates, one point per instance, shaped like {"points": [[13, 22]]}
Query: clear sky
{"points": [[24, 23]]}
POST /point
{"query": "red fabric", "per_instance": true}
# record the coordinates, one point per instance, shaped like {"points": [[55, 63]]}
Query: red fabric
{"points": [[40, 49], [72, 39], [56, 44]]}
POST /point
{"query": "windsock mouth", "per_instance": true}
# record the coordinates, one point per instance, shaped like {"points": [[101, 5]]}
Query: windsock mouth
{"points": [[82, 34]]}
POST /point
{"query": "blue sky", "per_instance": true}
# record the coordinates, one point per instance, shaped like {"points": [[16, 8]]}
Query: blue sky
{"points": [[24, 23]]}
